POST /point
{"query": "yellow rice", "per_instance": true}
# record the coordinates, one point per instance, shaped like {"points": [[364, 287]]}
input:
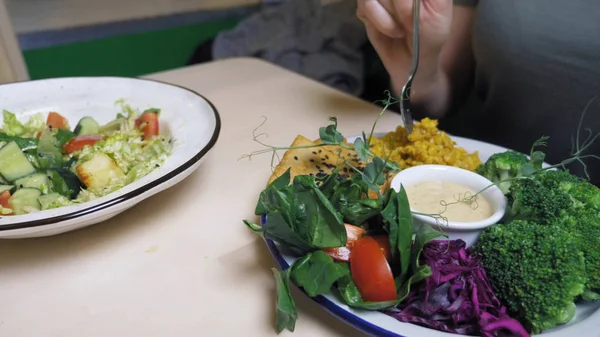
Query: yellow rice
{"points": [[425, 145]]}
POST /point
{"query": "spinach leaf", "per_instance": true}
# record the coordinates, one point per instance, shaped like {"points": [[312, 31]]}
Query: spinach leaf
{"points": [[286, 308], [316, 220], [398, 217], [419, 275], [358, 212], [278, 229], [316, 273], [351, 295], [65, 182], [350, 198], [63, 137], [23, 143], [272, 197], [330, 134], [330, 184], [361, 149]]}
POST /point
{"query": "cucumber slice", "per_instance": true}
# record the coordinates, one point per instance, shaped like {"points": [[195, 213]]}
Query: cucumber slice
{"points": [[37, 180], [14, 163], [25, 201], [87, 126], [4, 188]]}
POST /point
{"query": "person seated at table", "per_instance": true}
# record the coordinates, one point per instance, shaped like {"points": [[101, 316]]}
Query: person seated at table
{"points": [[505, 72]]}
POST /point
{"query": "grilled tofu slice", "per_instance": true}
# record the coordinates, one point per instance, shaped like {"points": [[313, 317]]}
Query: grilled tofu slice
{"points": [[100, 173]]}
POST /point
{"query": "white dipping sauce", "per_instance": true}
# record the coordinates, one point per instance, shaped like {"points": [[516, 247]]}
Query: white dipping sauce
{"points": [[427, 196]]}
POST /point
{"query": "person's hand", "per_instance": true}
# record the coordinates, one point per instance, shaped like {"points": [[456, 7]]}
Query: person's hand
{"points": [[389, 25]]}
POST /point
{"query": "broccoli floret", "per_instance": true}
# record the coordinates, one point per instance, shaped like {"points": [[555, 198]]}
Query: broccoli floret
{"points": [[501, 167], [584, 226], [536, 270], [529, 199], [583, 193]]}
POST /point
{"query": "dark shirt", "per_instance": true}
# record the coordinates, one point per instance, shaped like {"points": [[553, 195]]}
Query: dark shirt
{"points": [[537, 67]]}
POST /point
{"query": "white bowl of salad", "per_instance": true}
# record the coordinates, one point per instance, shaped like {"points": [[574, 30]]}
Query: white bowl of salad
{"points": [[77, 151]]}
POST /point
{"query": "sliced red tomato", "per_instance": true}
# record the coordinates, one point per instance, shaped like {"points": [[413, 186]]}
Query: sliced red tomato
{"points": [[343, 253], [4, 196], [79, 142], [57, 121], [371, 272], [384, 244], [148, 121]]}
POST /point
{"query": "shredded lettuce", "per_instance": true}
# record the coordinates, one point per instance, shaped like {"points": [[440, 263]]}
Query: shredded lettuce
{"points": [[12, 126]]}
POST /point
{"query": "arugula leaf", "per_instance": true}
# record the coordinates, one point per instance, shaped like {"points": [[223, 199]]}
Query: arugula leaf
{"points": [[286, 308], [317, 272], [330, 134], [361, 149], [23, 143], [316, 220], [351, 295]]}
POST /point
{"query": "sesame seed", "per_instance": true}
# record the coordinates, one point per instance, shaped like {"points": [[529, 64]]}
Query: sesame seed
{"points": [[318, 167], [314, 152], [295, 157], [312, 160], [320, 151], [326, 157]]}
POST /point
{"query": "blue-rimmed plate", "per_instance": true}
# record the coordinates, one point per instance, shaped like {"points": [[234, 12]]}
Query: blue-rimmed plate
{"points": [[586, 322]]}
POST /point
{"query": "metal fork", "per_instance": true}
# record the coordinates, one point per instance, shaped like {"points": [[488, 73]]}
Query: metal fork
{"points": [[405, 108]]}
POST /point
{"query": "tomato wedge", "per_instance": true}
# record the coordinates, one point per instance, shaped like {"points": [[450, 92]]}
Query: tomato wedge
{"points": [[57, 121], [4, 196], [384, 244], [371, 272], [79, 142], [149, 123], [343, 253]]}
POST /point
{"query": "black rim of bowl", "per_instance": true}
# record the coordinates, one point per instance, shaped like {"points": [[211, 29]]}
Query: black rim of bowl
{"points": [[138, 191]]}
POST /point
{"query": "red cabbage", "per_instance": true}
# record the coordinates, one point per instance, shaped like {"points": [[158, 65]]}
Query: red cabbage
{"points": [[457, 297]]}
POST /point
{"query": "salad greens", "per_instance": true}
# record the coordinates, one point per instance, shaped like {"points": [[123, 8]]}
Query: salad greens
{"points": [[44, 163], [307, 215]]}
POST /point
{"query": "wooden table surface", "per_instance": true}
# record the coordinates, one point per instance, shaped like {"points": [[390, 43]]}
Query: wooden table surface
{"points": [[182, 263]]}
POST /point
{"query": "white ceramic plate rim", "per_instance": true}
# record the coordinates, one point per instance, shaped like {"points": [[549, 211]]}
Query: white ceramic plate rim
{"points": [[375, 323], [124, 194]]}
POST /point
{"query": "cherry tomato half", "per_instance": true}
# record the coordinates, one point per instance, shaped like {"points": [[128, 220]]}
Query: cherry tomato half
{"points": [[343, 253], [79, 142], [149, 123], [57, 121], [371, 272], [4, 196]]}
